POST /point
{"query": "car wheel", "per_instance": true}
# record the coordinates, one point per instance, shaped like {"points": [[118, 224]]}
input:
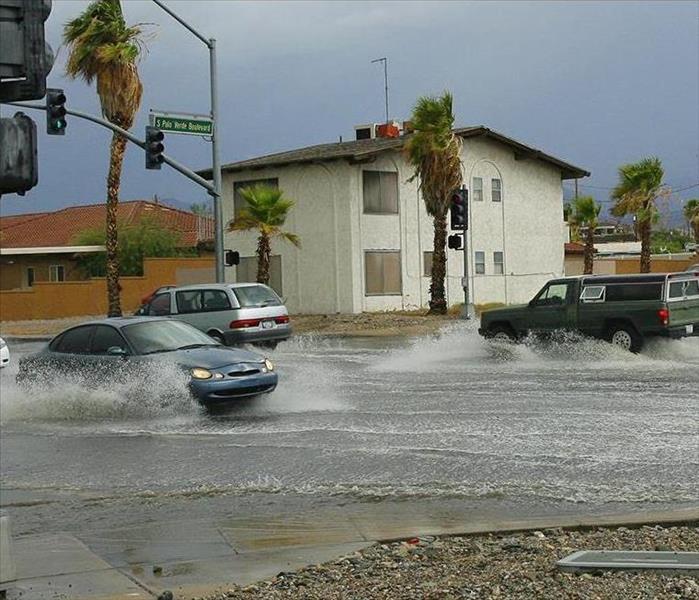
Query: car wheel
{"points": [[502, 333], [218, 337], [626, 337]]}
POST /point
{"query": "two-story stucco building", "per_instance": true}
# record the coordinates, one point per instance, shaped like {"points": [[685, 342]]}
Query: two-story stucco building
{"points": [[367, 239]]}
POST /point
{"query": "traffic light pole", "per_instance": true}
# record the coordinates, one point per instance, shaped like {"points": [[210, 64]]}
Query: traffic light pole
{"points": [[132, 138], [215, 191], [466, 312]]}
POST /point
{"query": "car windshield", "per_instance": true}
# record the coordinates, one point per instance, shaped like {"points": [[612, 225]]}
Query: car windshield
{"points": [[150, 337], [256, 295]]}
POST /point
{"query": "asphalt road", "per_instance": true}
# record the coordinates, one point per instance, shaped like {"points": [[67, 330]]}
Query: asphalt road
{"points": [[567, 427]]}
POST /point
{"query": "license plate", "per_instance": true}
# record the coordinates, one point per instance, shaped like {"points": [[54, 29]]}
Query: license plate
{"points": [[689, 329], [267, 324]]}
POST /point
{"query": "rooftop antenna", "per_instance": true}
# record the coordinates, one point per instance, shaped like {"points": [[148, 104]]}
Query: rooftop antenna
{"points": [[384, 60]]}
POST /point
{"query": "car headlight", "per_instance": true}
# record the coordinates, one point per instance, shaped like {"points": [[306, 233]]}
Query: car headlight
{"points": [[269, 365], [199, 373], [3, 343]]}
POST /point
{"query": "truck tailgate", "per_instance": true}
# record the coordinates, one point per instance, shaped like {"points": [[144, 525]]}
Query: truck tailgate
{"points": [[684, 312]]}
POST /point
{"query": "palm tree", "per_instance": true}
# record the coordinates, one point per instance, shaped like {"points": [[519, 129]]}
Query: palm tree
{"points": [[691, 213], [639, 185], [434, 151], [266, 212], [104, 48], [585, 214]]}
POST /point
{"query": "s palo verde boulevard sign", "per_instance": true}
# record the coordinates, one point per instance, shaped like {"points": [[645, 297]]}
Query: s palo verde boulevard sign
{"points": [[184, 123]]}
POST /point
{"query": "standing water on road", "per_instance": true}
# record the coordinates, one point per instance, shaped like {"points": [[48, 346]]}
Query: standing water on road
{"points": [[568, 425]]}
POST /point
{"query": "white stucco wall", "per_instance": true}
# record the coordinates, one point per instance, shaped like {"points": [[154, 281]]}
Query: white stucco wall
{"points": [[317, 278], [327, 273]]}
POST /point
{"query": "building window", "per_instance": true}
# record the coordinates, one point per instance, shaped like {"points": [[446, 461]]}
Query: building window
{"points": [[56, 273], [496, 190], [499, 263], [238, 201], [480, 263], [246, 271], [380, 189], [382, 273], [427, 264], [30, 276], [477, 189]]}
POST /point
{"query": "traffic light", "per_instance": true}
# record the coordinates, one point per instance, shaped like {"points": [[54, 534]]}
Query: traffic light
{"points": [[231, 257], [154, 147], [19, 169], [454, 241], [55, 112], [458, 207], [25, 57]]}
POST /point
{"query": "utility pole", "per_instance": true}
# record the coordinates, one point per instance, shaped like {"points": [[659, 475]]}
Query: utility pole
{"points": [[216, 162], [384, 60]]}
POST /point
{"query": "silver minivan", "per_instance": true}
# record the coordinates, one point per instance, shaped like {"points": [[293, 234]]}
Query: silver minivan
{"points": [[232, 313]]}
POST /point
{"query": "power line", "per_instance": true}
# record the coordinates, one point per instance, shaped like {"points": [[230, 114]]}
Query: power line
{"points": [[599, 187], [689, 187]]}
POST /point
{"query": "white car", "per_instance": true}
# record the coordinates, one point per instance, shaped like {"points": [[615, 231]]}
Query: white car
{"points": [[4, 354]]}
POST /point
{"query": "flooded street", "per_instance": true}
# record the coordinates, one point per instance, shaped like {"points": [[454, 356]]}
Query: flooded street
{"points": [[562, 427]]}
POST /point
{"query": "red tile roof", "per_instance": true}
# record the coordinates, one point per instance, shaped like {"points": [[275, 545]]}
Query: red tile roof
{"points": [[60, 228], [11, 220], [574, 248]]}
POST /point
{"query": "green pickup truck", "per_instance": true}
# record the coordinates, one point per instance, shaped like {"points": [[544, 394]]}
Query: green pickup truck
{"points": [[622, 309]]}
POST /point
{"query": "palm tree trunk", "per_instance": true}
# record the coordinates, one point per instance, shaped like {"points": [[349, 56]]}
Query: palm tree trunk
{"points": [[590, 250], [645, 231], [263, 258], [438, 303], [116, 161]]}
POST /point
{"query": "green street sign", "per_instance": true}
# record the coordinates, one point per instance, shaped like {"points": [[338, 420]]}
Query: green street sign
{"points": [[179, 123]]}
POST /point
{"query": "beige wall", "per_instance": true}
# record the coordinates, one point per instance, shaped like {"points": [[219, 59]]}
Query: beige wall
{"points": [[13, 269], [77, 298]]}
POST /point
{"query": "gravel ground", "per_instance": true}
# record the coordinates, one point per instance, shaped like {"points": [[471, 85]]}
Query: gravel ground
{"points": [[493, 566]]}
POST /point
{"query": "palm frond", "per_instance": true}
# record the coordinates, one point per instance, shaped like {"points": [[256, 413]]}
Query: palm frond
{"points": [[266, 211], [290, 237], [103, 47], [586, 211], [434, 152]]}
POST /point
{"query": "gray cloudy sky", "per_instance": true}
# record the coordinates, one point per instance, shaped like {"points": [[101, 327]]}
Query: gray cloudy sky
{"points": [[595, 83]]}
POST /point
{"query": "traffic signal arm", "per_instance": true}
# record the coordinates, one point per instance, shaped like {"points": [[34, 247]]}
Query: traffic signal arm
{"points": [[179, 167]]}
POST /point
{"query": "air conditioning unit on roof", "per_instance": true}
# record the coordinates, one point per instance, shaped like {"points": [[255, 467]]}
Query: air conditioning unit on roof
{"points": [[365, 132]]}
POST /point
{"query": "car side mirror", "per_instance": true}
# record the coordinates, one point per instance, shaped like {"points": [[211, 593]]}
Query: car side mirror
{"points": [[116, 351]]}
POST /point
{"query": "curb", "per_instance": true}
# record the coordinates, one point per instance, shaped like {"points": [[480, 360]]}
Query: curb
{"points": [[630, 521]]}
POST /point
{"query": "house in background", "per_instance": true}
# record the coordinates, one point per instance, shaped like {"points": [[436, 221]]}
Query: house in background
{"points": [[41, 247], [367, 239]]}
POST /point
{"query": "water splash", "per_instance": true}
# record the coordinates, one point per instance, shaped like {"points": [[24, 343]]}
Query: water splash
{"points": [[142, 391], [459, 345]]}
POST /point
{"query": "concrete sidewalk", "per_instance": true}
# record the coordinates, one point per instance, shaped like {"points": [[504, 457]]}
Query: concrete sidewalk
{"points": [[198, 557]]}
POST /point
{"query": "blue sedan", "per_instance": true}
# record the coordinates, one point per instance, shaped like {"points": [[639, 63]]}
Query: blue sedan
{"points": [[106, 350]]}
